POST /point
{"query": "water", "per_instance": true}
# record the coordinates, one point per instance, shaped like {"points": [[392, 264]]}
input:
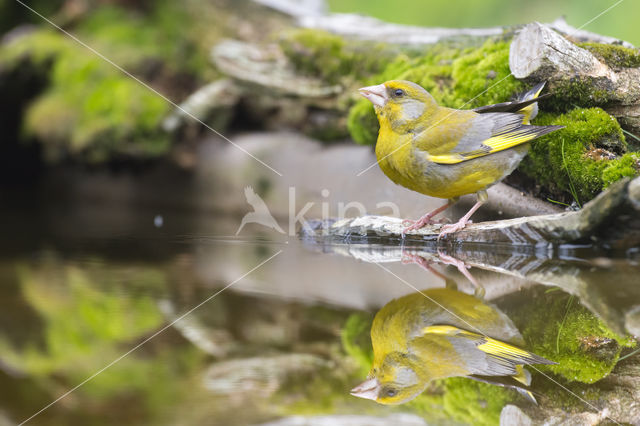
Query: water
{"points": [[83, 285]]}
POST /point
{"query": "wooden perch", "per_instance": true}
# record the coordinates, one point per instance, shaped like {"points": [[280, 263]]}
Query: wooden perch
{"points": [[612, 218]]}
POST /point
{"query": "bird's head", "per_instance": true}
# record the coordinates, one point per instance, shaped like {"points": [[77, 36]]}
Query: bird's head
{"points": [[394, 381], [400, 104]]}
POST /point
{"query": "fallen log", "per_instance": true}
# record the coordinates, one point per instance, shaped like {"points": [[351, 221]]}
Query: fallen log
{"points": [[612, 219]]}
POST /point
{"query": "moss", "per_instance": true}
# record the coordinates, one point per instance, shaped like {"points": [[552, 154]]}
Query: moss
{"points": [[456, 77], [573, 93], [329, 57], [585, 349], [90, 111], [613, 55], [562, 160], [363, 124]]}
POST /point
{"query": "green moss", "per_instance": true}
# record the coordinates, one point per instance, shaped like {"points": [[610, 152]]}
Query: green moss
{"points": [[457, 78], [363, 123], [588, 154], [321, 54], [92, 112], [573, 93], [557, 327], [613, 55]]}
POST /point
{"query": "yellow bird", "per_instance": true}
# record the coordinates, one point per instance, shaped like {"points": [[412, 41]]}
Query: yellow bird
{"points": [[444, 152], [440, 333]]}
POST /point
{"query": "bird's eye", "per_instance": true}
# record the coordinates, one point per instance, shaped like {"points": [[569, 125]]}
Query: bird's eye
{"points": [[398, 92], [391, 392]]}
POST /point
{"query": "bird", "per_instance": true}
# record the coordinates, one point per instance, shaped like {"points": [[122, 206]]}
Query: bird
{"points": [[260, 213], [441, 333], [446, 153]]}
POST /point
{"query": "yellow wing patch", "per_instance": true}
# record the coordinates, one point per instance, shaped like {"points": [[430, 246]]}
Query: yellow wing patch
{"points": [[490, 346], [442, 329], [494, 144], [503, 350]]}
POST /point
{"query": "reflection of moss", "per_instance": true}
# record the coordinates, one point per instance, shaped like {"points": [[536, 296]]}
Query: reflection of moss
{"points": [[567, 333], [457, 78], [463, 400], [356, 340], [613, 55], [81, 322], [588, 153], [90, 317]]}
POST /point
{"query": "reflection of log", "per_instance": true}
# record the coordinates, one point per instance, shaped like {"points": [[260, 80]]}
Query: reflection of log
{"points": [[533, 249], [603, 287], [612, 218]]}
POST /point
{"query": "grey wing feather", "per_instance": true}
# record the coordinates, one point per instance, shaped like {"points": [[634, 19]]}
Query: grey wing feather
{"points": [[479, 362], [485, 126]]}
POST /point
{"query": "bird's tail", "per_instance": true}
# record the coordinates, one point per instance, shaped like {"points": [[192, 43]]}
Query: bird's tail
{"points": [[530, 111], [526, 104], [520, 382]]}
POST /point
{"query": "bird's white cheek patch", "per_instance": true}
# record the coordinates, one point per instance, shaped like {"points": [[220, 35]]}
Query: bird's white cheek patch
{"points": [[412, 110], [407, 377]]}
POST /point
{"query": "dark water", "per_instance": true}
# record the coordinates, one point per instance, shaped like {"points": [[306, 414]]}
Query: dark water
{"points": [[274, 326]]}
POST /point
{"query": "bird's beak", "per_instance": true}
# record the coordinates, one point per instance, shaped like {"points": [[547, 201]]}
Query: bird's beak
{"points": [[377, 95], [368, 389]]}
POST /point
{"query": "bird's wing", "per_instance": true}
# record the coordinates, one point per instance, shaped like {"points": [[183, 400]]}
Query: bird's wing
{"points": [[486, 134], [494, 357]]}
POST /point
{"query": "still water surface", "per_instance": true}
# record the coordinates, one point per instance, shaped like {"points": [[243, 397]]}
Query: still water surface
{"points": [[81, 286]]}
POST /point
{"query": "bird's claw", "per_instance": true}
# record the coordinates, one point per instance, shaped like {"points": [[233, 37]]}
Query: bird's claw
{"points": [[452, 228], [408, 222]]}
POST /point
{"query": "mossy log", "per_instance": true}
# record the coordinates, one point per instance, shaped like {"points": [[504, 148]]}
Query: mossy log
{"points": [[608, 74]]}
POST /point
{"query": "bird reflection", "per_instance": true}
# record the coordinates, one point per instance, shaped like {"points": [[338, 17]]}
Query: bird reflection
{"points": [[440, 333]]}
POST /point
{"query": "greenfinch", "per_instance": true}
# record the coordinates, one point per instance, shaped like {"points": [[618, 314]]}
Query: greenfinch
{"points": [[427, 335], [444, 152]]}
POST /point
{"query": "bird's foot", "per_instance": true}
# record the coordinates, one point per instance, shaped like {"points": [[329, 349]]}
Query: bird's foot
{"points": [[464, 270], [411, 223], [454, 227], [408, 259]]}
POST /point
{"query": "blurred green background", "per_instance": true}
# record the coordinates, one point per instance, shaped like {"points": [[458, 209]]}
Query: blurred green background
{"points": [[464, 13]]}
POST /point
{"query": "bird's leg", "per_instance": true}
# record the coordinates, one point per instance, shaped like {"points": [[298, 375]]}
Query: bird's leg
{"points": [[464, 220], [425, 264], [426, 219], [464, 270], [408, 258]]}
